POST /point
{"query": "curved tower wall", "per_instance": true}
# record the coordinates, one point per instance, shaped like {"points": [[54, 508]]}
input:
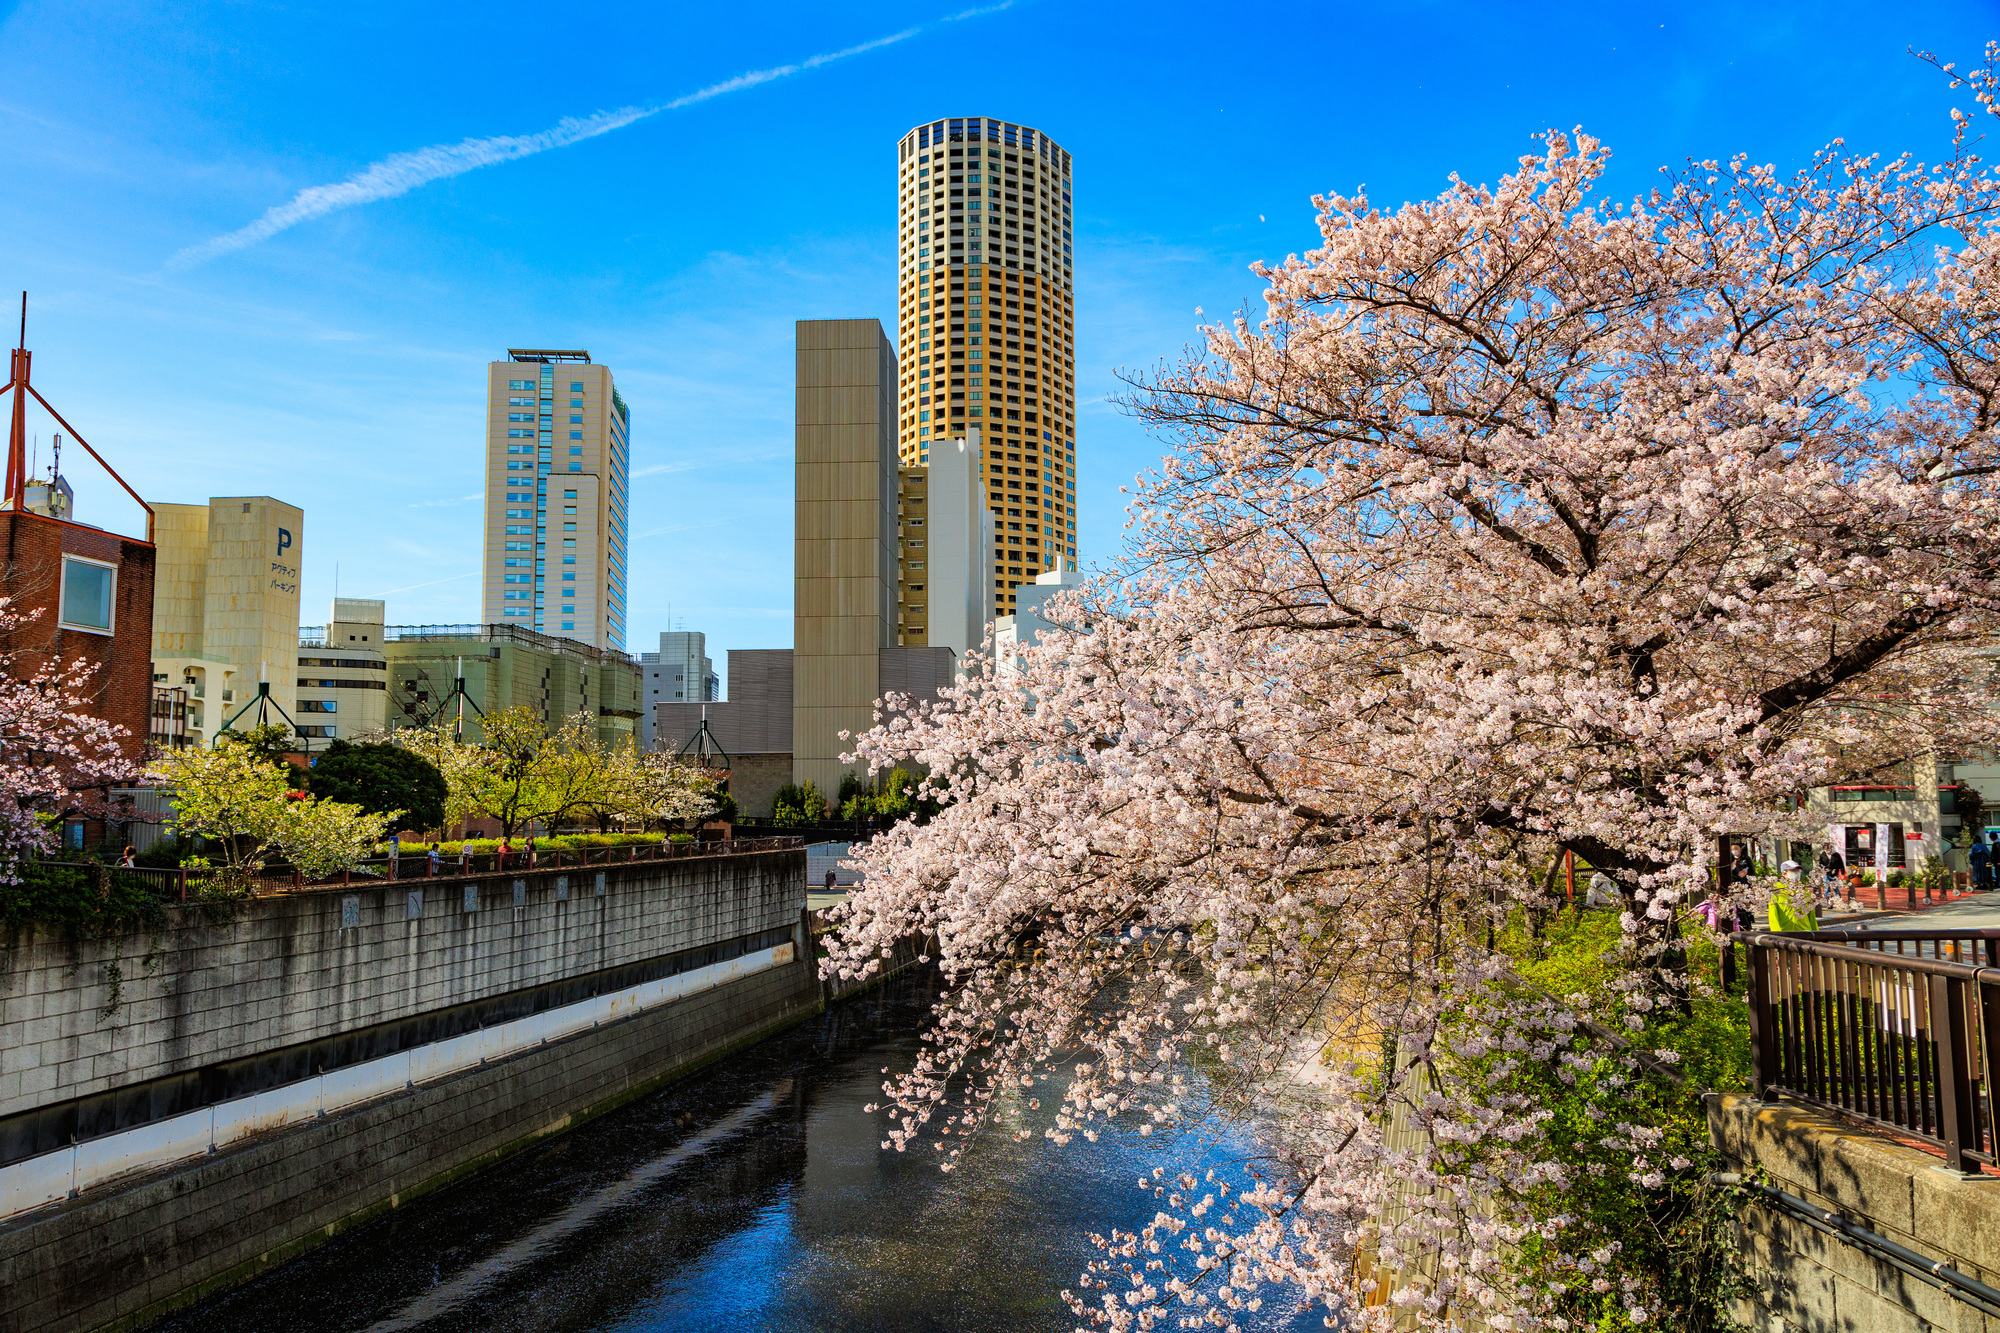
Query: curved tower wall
{"points": [[987, 312]]}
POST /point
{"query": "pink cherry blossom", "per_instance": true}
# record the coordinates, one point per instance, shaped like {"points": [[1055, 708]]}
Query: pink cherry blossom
{"points": [[56, 755], [1519, 521]]}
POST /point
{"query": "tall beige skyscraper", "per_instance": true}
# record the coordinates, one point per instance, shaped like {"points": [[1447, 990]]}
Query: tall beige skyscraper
{"points": [[844, 539], [987, 313], [557, 485]]}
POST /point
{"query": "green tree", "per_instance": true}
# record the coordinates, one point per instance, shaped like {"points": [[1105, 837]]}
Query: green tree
{"points": [[893, 801], [379, 778], [798, 805], [232, 794], [509, 782], [269, 741], [461, 764]]}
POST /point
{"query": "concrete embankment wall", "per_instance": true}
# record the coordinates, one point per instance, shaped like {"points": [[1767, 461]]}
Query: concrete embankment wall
{"points": [[1806, 1280], [182, 1107]]}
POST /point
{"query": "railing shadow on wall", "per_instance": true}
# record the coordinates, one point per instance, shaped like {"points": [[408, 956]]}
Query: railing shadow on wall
{"points": [[1896, 1028]]}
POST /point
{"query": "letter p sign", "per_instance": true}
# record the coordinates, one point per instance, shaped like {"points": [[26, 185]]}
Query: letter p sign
{"points": [[284, 540]]}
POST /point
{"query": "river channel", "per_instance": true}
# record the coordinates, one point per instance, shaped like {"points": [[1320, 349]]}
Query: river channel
{"points": [[751, 1196]]}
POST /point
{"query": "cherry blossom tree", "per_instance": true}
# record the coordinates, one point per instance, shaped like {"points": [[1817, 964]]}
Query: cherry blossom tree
{"points": [[56, 756], [1520, 522]]}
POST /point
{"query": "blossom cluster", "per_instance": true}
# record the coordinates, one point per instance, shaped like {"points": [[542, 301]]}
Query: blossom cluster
{"points": [[1519, 523]]}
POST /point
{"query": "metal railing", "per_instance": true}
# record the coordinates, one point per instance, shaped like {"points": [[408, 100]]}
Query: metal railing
{"points": [[1900, 1028], [179, 884]]}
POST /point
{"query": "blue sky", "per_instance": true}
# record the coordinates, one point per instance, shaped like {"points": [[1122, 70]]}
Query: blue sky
{"points": [[338, 363]]}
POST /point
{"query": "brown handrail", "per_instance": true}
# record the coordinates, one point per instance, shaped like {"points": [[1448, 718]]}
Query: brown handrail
{"points": [[1908, 1042]]}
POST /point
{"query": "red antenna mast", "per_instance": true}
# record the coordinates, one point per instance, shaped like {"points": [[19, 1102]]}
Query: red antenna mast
{"points": [[17, 435]]}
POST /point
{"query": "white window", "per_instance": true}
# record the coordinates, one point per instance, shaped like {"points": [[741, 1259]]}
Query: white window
{"points": [[88, 589]]}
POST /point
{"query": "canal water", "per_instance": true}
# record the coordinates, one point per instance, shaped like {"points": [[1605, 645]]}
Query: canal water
{"points": [[752, 1196]]}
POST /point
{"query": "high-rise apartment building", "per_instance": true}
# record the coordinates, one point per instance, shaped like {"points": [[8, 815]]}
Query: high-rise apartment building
{"points": [[557, 513], [987, 310]]}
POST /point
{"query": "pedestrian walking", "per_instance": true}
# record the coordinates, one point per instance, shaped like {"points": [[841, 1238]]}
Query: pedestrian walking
{"points": [[1981, 857], [832, 881], [125, 859], [1832, 871], [1992, 859], [434, 860], [505, 848], [531, 851]]}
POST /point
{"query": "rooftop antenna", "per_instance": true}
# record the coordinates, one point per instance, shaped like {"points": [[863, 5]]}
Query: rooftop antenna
{"points": [[461, 697], [17, 380], [17, 434], [264, 703]]}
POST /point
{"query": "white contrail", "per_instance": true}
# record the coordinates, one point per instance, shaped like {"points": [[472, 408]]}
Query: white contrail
{"points": [[400, 173]]}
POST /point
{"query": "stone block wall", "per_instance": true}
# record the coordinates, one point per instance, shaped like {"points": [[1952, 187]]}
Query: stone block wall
{"points": [[120, 1256], [1808, 1281], [213, 985]]}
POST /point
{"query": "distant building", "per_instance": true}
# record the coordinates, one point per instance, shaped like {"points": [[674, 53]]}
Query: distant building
{"points": [[787, 709], [343, 672], [226, 608], [1024, 628], [678, 673], [83, 595], [505, 666], [942, 594], [94, 592], [987, 311], [558, 445]]}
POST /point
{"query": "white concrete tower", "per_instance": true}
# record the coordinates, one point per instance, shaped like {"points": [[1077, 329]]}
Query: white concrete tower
{"points": [[987, 319]]}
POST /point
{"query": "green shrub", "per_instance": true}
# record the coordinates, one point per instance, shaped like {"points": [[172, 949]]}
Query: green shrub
{"points": [[1676, 1237], [79, 901]]}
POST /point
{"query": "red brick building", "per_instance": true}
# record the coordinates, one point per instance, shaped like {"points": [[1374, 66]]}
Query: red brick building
{"points": [[93, 591]]}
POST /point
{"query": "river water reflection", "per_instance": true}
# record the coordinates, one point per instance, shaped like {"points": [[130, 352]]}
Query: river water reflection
{"points": [[752, 1196]]}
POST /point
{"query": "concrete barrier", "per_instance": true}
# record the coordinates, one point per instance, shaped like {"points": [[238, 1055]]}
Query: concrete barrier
{"points": [[229, 1089]]}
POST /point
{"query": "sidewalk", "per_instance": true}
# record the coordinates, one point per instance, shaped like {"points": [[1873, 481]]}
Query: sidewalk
{"points": [[1975, 911]]}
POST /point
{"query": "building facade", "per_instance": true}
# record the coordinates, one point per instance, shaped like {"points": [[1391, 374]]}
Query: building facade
{"points": [[791, 714], [680, 672], [343, 687], [226, 608], [82, 594], [986, 304], [506, 666], [943, 594], [844, 548], [1024, 629], [558, 457], [753, 728]]}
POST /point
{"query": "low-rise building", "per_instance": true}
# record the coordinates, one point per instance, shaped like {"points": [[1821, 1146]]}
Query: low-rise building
{"points": [[506, 666], [225, 613], [343, 682]]}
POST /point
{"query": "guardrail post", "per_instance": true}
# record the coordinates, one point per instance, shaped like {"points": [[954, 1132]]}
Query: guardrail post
{"points": [[1954, 1073], [1763, 1031], [1989, 1060]]}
